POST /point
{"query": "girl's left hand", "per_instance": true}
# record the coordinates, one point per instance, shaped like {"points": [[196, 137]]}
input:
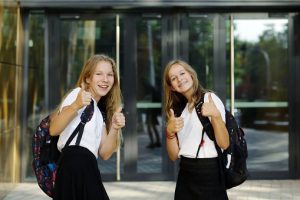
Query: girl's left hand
{"points": [[209, 109], [118, 119]]}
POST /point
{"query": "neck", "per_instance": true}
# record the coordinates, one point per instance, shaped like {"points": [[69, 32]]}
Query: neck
{"points": [[188, 96]]}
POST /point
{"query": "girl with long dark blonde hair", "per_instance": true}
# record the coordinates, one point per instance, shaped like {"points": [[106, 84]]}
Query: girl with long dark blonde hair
{"points": [[199, 171], [78, 176]]}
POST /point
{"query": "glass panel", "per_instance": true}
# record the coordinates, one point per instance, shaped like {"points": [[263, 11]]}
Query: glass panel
{"points": [[149, 127], [261, 84], [201, 48], [8, 34], [8, 73], [79, 40], [36, 86], [7, 120]]}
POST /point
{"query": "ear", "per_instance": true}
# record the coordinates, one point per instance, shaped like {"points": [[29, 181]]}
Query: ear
{"points": [[87, 80]]}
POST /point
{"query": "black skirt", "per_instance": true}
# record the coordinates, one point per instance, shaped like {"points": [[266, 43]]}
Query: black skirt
{"points": [[200, 179], [78, 176]]}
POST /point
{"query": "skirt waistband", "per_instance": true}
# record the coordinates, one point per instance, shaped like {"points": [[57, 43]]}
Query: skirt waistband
{"points": [[198, 163]]}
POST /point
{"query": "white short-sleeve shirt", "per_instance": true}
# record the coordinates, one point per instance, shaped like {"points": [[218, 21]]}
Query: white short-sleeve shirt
{"points": [[190, 135], [91, 137]]}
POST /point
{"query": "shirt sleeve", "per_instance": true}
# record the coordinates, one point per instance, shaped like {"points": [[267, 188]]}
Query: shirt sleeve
{"points": [[70, 98], [219, 104]]}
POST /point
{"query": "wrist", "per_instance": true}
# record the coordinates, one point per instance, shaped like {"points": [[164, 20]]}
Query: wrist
{"points": [[217, 116], [113, 129], [74, 107], [170, 135]]}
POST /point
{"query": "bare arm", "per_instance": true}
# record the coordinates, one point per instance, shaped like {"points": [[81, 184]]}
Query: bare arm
{"points": [[109, 141], [172, 146], [220, 131], [60, 120], [209, 109], [174, 125]]}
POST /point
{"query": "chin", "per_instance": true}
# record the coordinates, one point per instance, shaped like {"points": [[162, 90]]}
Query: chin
{"points": [[102, 94]]}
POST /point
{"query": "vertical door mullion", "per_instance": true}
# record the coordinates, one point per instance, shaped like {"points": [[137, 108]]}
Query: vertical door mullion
{"points": [[129, 91], [118, 153], [52, 60], [24, 89], [294, 96], [232, 91], [219, 56]]}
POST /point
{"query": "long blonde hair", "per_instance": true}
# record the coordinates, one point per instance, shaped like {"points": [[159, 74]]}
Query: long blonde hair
{"points": [[175, 100], [109, 103]]}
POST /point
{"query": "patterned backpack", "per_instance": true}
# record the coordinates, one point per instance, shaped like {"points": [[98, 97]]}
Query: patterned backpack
{"points": [[46, 154]]}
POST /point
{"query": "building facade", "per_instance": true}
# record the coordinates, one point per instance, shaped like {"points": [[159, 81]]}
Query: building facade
{"points": [[246, 51]]}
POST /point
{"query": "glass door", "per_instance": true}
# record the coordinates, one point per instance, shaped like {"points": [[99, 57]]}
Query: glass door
{"points": [[76, 37], [261, 91], [144, 151], [149, 95]]}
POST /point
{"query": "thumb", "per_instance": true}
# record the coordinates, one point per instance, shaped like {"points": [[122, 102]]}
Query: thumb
{"points": [[210, 99], [119, 109], [172, 113]]}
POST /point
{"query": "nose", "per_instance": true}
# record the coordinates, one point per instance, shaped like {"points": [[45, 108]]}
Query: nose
{"points": [[179, 78], [104, 79]]}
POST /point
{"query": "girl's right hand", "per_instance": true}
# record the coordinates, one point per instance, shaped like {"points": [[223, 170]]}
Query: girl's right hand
{"points": [[84, 98], [175, 124]]}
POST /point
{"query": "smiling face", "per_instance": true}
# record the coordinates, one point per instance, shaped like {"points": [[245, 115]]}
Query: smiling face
{"points": [[101, 80], [181, 80]]}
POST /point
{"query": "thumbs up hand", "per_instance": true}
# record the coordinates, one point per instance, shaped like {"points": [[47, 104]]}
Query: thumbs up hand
{"points": [[118, 119], [209, 109], [83, 98], [175, 124]]}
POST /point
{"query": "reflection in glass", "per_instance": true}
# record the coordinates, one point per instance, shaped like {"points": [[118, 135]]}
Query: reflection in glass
{"points": [[7, 120], [201, 49], [8, 73], [149, 96], [261, 90], [8, 34], [79, 40]]}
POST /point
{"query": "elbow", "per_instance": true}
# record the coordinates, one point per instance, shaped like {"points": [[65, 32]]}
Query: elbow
{"points": [[173, 157], [224, 145], [52, 131], [105, 156]]}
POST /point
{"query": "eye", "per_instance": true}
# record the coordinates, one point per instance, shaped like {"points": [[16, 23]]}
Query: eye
{"points": [[110, 74], [182, 73], [172, 78]]}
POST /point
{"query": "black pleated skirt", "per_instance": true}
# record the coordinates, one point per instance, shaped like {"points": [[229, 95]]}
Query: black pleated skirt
{"points": [[78, 176], [200, 179]]}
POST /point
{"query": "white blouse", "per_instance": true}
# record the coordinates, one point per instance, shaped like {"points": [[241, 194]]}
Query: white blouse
{"points": [[190, 135], [91, 137]]}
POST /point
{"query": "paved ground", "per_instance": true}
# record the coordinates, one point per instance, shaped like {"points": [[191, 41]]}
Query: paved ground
{"points": [[250, 190]]}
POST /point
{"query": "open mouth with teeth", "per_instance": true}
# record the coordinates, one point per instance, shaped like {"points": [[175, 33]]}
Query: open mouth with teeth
{"points": [[104, 87]]}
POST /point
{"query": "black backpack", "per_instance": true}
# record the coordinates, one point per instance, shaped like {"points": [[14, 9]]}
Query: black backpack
{"points": [[233, 159]]}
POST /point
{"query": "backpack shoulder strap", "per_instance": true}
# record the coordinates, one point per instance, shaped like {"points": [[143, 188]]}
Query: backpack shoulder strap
{"points": [[84, 118], [207, 127]]}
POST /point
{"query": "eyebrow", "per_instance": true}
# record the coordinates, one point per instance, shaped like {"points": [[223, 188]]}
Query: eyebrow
{"points": [[103, 71], [179, 72]]}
